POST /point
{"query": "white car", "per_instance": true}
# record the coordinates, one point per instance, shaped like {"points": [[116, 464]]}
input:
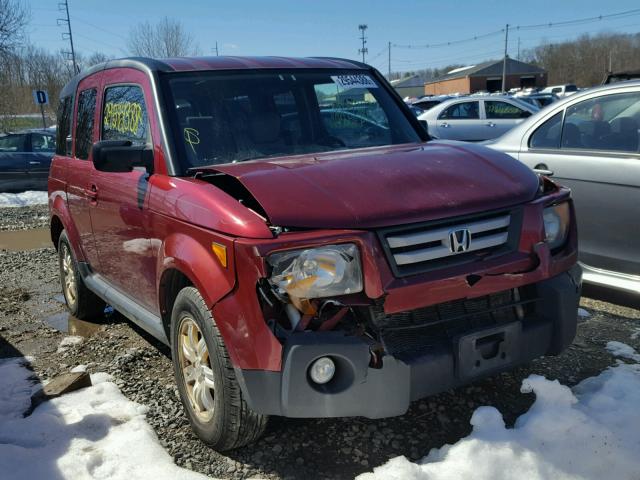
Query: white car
{"points": [[475, 118], [561, 90]]}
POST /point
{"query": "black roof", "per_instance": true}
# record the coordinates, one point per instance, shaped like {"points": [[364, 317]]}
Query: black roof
{"points": [[491, 68]]}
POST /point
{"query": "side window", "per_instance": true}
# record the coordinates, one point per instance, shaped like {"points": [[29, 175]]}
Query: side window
{"points": [[84, 123], [503, 110], [124, 115], [12, 143], [461, 111], [609, 123], [548, 134], [42, 143], [63, 131]]}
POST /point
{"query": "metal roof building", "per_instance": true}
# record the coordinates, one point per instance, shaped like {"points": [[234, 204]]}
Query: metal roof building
{"points": [[488, 77]]}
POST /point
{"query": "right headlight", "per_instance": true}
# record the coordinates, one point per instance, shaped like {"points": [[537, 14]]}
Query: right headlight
{"points": [[318, 272], [556, 224]]}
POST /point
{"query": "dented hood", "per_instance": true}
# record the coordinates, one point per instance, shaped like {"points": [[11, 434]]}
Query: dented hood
{"points": [[384, 186]]}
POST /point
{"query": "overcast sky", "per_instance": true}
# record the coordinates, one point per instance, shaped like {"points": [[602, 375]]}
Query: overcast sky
{"points": [[330, 27]]}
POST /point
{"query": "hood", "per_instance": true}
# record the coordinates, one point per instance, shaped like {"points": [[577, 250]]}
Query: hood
{"points": [[383, 186]]}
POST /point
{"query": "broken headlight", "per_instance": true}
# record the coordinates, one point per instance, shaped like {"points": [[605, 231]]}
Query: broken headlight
{"points": [[556, 224], [317, 272]]}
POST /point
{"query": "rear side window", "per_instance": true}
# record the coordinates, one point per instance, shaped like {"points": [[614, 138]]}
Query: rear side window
{"points": [[84, 124], [461, 111], [63, 130], [124, 115], [503, 110], [12, 143], [548, 134]]}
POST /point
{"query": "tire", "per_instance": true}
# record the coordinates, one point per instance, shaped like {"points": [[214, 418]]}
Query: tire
{"points": [[216, 409], [81, 302]]}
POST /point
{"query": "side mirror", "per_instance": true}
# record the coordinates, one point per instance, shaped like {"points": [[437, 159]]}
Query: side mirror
{"points": [[119, 156]]}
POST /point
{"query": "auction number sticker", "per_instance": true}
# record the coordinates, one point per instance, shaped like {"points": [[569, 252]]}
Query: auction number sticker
{"points": [[354, 81]]}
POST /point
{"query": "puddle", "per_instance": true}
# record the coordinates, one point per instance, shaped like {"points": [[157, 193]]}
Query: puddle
{"points": [[25, 240], [66, 323]]}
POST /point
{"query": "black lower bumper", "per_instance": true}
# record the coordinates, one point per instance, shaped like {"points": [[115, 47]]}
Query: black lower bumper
{"points": [[358, 390]]}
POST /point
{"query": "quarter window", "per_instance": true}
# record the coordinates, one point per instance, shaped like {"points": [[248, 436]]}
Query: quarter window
{"points": [[548, 134], [84, 123], [461, 111], [124, 115], [12, 143], [503, 110], [63, 131]]}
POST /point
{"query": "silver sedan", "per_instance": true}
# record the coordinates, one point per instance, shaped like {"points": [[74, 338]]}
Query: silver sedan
{"points": [[590, 142], [476, 118]]}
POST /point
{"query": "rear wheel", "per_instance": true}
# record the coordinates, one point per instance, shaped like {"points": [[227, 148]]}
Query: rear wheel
{"points": [[206, 379], [82, 302]]}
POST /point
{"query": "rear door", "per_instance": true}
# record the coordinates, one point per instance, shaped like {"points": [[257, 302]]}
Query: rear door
{"points": [[501, 116], [43, 146], [593, 147], [461, 121], [80, 172], [13, 163]]}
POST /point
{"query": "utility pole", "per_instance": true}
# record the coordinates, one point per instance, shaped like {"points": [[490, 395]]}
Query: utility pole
{"points": [[64, 7], [389, 77], [363, 50], [215, 49], [504, 62], [518, 57]]}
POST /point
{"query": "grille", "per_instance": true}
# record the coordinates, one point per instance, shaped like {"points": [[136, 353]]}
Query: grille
{"points": [[413, 332], [417, 248]]}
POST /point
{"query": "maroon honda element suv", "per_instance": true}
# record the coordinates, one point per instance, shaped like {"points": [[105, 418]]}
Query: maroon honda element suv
{"points": [[287, 228]]}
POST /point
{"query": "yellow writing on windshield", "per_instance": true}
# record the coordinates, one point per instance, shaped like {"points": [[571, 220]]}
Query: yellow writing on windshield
{"points": [[192, 137], [124, 117]]}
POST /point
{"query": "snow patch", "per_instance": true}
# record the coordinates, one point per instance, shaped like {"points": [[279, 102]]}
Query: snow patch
{"points": [[635, 334], [94, 433], [23, 199], [582, 313], [79, 369], [68, 342], [590, 432]]}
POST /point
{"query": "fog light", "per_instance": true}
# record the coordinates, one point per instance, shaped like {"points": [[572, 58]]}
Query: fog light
{"points": [[322, 370]]}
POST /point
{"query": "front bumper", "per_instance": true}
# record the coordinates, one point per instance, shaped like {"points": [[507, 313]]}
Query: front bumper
{"points": [[359, 390]]}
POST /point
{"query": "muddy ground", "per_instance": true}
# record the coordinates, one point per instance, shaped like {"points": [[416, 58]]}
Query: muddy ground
{"points": [[31, 306]]}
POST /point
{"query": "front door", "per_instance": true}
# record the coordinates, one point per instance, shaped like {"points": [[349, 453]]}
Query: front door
{"points": [[43, 146], [460, 121], [120, 215]]}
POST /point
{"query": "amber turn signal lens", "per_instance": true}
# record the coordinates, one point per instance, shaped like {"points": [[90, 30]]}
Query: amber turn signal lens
{"points": [[221, 252]]}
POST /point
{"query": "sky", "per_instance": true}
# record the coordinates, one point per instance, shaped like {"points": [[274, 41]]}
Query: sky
{"points": [[330, 27]]}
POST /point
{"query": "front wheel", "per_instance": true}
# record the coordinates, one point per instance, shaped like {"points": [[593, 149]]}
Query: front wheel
{"points": [[206, 380]]}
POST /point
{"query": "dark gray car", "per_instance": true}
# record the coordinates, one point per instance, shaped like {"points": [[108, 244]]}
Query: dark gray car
{"points": [[25, 158], [591, 143]]}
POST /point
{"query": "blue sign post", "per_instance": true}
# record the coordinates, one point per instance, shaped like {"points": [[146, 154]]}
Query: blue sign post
{"points": [[40, 97]]}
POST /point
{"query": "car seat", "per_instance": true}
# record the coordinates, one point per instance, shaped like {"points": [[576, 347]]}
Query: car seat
{"points": [[623, 136]]}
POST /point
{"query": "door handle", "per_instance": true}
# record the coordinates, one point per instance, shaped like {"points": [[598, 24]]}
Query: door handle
{"points": [[490, 124], [543, 169], [444, 125], [32, 162], [91, 192]]}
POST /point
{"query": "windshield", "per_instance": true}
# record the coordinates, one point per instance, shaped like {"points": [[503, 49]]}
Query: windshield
{"points": [[223, 117]]}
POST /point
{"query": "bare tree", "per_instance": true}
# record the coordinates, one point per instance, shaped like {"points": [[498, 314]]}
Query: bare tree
{"points": [[14, 16], [167, 38]]}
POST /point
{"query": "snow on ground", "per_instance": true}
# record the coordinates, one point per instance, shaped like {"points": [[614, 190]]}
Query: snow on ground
{"points": [[592, 432], [68, 342], [582, 313], [94, 433], [23, 199]]}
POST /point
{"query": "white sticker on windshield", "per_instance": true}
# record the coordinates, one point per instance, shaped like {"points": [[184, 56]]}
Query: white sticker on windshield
{"points": [[354, 81]]}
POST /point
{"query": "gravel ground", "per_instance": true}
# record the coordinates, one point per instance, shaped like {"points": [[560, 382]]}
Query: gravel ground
{"points": [[24, 218], [291, 448]]}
